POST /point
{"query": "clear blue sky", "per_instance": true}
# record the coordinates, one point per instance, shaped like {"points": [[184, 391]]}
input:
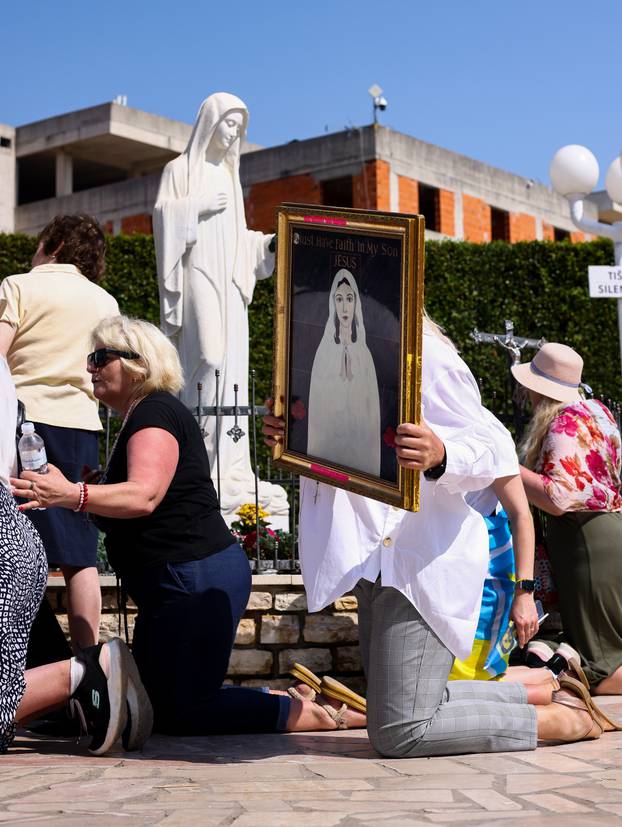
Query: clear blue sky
{"points": [[502, 81]]}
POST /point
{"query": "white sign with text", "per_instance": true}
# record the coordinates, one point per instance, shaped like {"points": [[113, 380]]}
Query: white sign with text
{"points": [[605, 282]]}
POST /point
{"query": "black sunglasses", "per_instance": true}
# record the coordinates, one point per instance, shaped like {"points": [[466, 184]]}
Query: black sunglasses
{"points": [[100, 357]]}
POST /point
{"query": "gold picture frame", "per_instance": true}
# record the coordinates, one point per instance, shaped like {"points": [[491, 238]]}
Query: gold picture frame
{"points": [[347, 346]]}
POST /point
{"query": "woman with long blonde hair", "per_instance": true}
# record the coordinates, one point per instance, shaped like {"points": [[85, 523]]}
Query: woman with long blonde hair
{"points": [[571, 471]]}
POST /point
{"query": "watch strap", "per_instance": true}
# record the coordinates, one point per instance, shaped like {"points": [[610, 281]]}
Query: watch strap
{"points": [[525, 585], [438, 470]]}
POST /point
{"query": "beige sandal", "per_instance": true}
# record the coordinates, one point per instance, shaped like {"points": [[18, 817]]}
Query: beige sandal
{"points": [[329, 687], [576, 701], [575, 671], [339, 692], [294, 693], [338, 715], [305, 675], [603, 720]]}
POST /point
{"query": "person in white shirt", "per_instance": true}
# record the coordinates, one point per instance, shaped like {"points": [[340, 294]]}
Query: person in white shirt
{"points": [[418, 578]]}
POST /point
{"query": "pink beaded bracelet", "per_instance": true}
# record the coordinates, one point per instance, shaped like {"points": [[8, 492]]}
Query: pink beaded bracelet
{"points": [[81, 500]]}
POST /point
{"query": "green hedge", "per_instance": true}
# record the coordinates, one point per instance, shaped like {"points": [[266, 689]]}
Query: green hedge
{"points": [[541, 286]]}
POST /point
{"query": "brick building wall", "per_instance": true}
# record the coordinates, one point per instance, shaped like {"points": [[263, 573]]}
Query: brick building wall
{"points": [[476, 219], [548, 233], [141, 223], [408, 195], [371, 188], [522, 227], [447, 212], [264, 197]]}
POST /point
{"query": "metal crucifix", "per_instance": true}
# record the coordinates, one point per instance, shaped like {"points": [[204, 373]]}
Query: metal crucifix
{"points": [[513, 346]]}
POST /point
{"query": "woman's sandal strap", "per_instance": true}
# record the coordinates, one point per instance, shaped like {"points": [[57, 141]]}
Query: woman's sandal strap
{"points": [[575, 671], [595, 730], [294, 693], [338, 715], [570, 700], [305, 675], [606, 723]]}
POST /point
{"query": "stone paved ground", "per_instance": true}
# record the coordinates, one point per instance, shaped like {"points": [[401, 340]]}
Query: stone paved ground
{"points": [[312, 779]]}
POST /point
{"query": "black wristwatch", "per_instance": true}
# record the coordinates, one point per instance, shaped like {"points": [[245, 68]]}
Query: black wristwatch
{"points": [[438, 470], [525, 585]]}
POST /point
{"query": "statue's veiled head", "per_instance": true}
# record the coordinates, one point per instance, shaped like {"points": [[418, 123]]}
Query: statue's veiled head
{"points": [[223, 119], [228, 130]]}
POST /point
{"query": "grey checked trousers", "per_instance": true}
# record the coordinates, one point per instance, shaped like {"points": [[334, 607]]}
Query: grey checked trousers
{"points": [[412, 710]]}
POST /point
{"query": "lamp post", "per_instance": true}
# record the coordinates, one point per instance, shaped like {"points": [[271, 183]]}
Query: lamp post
{"points": [[574, 173]]}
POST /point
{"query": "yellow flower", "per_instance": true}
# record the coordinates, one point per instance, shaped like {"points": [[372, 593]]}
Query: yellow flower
{"points": [[248, 514]]}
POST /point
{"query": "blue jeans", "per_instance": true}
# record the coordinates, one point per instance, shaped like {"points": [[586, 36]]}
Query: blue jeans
{"points": [[188, 614]]}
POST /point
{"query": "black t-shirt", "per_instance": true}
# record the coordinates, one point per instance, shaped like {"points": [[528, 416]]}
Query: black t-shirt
{"points": [[187, 524]]}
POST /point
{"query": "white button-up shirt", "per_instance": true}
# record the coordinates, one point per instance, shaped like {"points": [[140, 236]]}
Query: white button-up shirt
{"points": [[436, 557]]}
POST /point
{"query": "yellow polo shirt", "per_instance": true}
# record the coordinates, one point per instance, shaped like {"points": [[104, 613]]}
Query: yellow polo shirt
{"points": [[54, 309]]}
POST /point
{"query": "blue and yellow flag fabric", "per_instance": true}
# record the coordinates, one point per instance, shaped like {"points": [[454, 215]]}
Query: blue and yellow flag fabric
{"points": [[493, 639]]}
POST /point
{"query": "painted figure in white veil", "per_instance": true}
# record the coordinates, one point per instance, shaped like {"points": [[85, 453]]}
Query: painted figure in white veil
{"points": [[208, 264], [344, 404]]}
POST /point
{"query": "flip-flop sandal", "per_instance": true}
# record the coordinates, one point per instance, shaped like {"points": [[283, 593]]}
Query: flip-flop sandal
{"points": [[339, 692], [575, 686], [305, 675]]}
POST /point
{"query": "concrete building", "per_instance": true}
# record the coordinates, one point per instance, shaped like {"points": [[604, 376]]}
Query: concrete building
{"points": [[106, 160]]}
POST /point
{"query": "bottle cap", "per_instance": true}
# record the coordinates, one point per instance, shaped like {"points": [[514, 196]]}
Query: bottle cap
{"points": [[28, 428]]}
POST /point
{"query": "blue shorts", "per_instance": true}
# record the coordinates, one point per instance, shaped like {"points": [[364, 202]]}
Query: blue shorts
{"points": [[70, 539]]}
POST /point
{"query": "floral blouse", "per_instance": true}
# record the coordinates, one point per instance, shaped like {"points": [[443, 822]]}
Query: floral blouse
{"points": [[580, 459]]}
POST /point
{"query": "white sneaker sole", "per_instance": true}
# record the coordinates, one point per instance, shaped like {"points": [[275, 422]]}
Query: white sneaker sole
{"points": [[117, 691], [140, 719]]}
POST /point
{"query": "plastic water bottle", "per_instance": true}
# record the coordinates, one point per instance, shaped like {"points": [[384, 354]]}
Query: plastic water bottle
{"points": [[32, 451]]}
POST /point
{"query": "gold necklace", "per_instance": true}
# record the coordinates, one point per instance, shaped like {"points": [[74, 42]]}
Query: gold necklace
{"points": [[102, 479]]}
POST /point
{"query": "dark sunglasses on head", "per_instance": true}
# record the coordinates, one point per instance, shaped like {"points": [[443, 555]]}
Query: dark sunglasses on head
{"points": [[100, 357]]}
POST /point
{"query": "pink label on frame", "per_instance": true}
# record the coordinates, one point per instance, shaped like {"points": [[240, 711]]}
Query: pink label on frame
{"points": [[326, 472], [323, 219]]}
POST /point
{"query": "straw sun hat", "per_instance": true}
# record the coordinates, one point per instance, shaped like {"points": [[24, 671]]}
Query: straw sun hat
{"points": [[555, 371]]}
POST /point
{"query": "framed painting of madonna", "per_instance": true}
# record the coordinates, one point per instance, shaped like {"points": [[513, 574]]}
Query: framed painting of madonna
{"points": [[347, 346]]}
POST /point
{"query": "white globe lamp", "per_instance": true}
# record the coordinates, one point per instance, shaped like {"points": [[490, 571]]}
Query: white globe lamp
{"points": [[613, 180], [574, 170]]}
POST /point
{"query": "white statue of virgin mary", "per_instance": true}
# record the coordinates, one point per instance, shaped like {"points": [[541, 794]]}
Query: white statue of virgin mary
{"points": [[208, 264], [344, 405]]}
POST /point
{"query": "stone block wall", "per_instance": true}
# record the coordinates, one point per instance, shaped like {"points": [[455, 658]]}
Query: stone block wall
{"points": [[275, 632]]}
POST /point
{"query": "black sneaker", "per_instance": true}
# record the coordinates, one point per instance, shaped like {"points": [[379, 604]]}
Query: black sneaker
{"points": [[139, 710], [59, 723], [100, 699]]}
